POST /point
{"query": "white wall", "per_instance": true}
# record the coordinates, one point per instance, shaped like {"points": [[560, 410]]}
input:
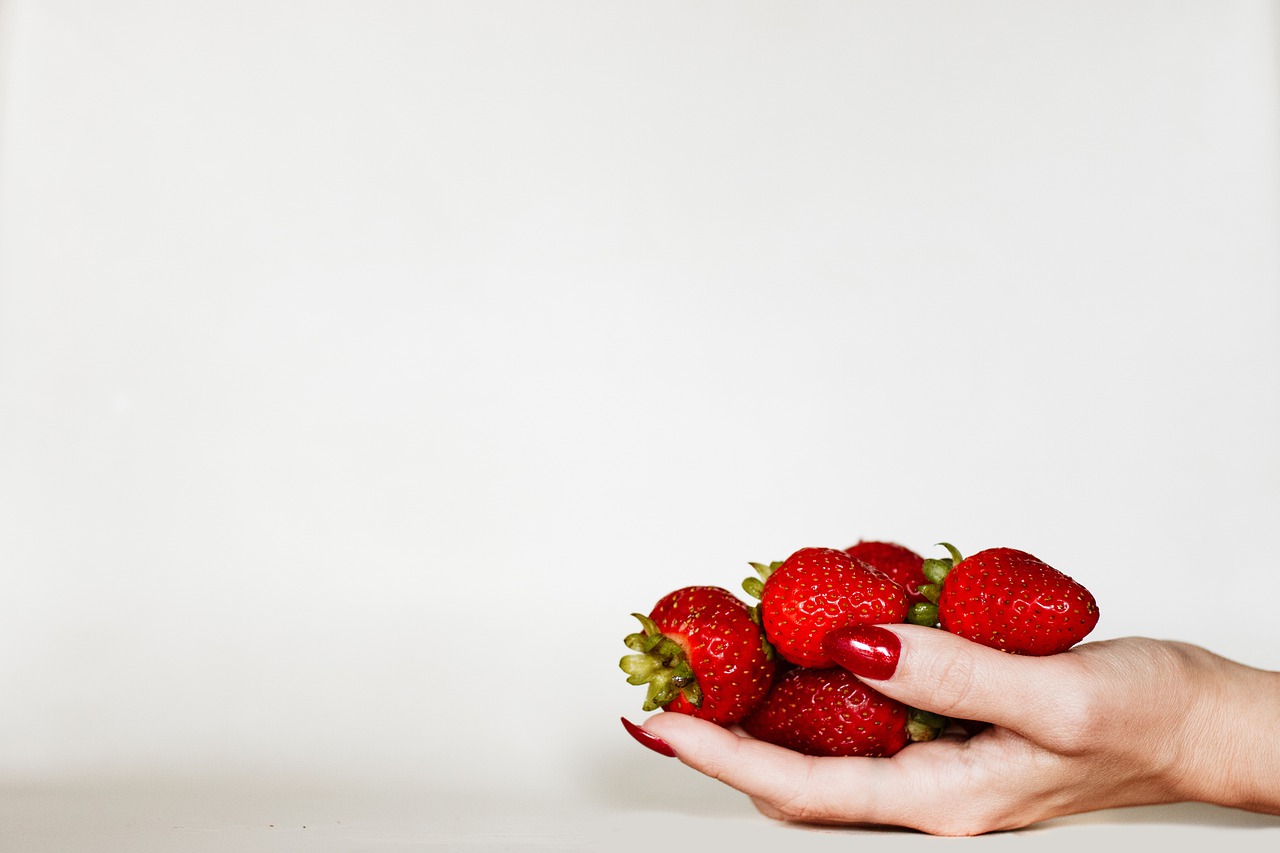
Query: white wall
{"points": [[363, 365]]}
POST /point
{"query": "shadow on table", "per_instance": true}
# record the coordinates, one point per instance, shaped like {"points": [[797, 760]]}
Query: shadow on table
{"points": [[629, 778], [1176, 814]]}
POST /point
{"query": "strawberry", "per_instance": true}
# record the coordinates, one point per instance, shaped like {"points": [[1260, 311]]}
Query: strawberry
{"points": [[701, 653], [817, 590], [1009, 600], [900, 563], [829, 712]]}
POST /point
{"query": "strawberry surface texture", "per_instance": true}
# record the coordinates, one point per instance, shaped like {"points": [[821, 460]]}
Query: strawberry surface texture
{"points": [[829, 712], [900, 563], [1010, 600], [700, 652], [817, 590]]}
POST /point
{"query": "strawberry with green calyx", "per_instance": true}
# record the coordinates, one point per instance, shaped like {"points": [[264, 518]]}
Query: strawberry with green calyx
{"points": [[900, 563], [662, 664], [700, 652], [924, 611], [830, 712], [815, 591], [1010, 600]]}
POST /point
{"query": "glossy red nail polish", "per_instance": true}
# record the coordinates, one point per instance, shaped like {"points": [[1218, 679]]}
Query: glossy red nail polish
{"points": [[654, 742], [868, 651]]}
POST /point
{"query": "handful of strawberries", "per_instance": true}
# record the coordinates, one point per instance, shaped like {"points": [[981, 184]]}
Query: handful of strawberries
{"points": [[702, 651]]}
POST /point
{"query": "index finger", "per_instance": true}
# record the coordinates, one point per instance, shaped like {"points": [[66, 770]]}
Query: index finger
{"points": [[949, 675]]}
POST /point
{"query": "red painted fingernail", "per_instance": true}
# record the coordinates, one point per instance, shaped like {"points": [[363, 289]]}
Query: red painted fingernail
{"points": [[654, 742], [868, 651]]}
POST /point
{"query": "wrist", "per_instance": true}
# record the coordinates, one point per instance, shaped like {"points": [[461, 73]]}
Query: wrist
{"points": [[1228, 754]]}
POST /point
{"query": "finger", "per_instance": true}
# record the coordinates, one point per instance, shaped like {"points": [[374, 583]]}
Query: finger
{"points": [[782, 783], [949, 675]]}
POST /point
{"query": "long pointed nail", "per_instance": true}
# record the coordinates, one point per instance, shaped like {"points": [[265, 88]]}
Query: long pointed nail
{"points": [[654, 742], [868, 651]]}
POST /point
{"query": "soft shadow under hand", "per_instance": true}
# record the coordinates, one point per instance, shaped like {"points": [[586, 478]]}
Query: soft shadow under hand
{"points": [[1175, 814], [628, 777]]}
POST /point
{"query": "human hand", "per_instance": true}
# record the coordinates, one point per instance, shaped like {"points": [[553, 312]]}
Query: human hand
{"points": [[1108, 724]]}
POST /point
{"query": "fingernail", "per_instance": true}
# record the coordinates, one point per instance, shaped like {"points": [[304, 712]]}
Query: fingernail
{"points": [[654, 742], [868, 651]]}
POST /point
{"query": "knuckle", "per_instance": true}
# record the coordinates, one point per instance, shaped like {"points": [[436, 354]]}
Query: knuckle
{"points": [[1080, 723], [798, 807], [1091, 713], [1080, 716], [795, 808], [952, 677], [803, 802]]}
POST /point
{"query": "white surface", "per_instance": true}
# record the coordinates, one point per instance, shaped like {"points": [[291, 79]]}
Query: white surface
{"points": [[249, 816], [363, 365]]}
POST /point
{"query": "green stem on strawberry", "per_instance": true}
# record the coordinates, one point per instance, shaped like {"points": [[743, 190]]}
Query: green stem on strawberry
{"points": [[935, 571], [924, 725], [754, 587], [923, 613], [930, 591], [660, 663]]}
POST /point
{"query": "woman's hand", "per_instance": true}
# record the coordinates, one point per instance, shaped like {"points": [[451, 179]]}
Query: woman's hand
{"points": [[1115, 723]]}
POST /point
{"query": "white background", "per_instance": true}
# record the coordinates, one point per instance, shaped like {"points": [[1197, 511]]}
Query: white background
{"points": [[364, 365]]}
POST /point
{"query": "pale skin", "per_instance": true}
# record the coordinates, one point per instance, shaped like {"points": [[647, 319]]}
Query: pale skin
{"points": [[1116, 723]]}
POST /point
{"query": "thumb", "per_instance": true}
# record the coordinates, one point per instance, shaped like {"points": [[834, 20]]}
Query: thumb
{"points": [[937, 671]]}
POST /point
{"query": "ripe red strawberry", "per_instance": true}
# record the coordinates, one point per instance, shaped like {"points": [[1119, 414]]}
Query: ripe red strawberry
{"points": [[701, 653], [1009, 600], [829, 712], [900, 563], [817, 590]]}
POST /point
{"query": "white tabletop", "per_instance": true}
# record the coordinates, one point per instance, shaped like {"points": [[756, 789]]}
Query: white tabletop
{"points": [[273, 815]]}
